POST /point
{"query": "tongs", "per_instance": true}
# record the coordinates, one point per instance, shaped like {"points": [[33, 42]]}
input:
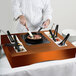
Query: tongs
{"points": [[52, 35], [56, 31], [64, 40], [14, 45], [10, 37]]}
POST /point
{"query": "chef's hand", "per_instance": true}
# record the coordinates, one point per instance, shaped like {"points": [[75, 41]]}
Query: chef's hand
{"points": [[22, 20], [46, 23]]}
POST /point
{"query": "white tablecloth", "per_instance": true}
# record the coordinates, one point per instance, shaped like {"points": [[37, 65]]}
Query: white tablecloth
{"points": [[50, 68]]}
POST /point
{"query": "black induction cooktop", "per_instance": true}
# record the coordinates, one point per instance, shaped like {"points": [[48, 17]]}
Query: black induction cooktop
{"points": [[44, 40]]}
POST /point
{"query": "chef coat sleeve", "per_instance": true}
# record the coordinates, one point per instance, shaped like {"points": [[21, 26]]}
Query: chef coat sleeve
{"points": [[47, 11], [16, 8]]}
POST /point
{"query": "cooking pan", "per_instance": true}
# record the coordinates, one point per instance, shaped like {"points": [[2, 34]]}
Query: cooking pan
{"points": [[30, 40]]}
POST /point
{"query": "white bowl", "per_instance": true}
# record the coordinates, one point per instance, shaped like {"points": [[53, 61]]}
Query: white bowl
{"points": [[72, 33]]}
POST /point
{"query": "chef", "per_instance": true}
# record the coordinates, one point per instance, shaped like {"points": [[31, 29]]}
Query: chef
{"points": [[32, 13]]}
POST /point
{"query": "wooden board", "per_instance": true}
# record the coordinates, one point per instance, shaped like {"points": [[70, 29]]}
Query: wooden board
{"points": [[37, 53]]}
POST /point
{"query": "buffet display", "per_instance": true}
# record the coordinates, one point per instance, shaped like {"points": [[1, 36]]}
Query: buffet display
{"points": [[27, 48]]}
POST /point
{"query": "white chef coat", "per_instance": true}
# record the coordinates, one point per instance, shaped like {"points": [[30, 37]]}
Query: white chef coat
{"points": [[35, 11]]}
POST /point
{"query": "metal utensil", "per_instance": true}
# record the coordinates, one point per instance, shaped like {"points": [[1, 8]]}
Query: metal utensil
{"points": [[10, 37], [40, 29], [31, 35], [15, 44], [52, 35], [56, 31], [64, 40]]}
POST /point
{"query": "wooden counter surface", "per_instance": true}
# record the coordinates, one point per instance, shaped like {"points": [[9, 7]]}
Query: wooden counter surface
{"points": [[37, 53]]}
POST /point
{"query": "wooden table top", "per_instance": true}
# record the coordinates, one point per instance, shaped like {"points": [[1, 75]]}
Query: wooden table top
{"points": [[35, 48], [37, 53]]}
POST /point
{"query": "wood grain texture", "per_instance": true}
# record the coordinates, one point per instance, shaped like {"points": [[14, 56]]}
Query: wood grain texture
{"points": [[37, 53]]}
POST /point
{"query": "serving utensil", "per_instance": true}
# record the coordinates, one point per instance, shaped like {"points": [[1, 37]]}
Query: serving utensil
{"points": [[56, 31], [10, 37], [40, 29], [64, 40], [31, 35], [15, 44], [52, 35]]}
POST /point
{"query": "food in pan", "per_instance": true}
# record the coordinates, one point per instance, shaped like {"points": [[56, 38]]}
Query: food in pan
{"points": [[37, 38], [34, 37]]}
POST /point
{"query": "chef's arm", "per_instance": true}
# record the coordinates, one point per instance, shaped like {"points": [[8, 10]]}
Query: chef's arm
{"points": [[16, 8], [47, 12], [22, 20]]}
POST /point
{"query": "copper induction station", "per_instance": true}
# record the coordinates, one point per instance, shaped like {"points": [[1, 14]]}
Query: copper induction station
{"points": [[40, 52]]}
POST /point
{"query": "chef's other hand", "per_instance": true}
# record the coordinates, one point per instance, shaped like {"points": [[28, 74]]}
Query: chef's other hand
{"points": [[22, 20], [46, 23]]}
